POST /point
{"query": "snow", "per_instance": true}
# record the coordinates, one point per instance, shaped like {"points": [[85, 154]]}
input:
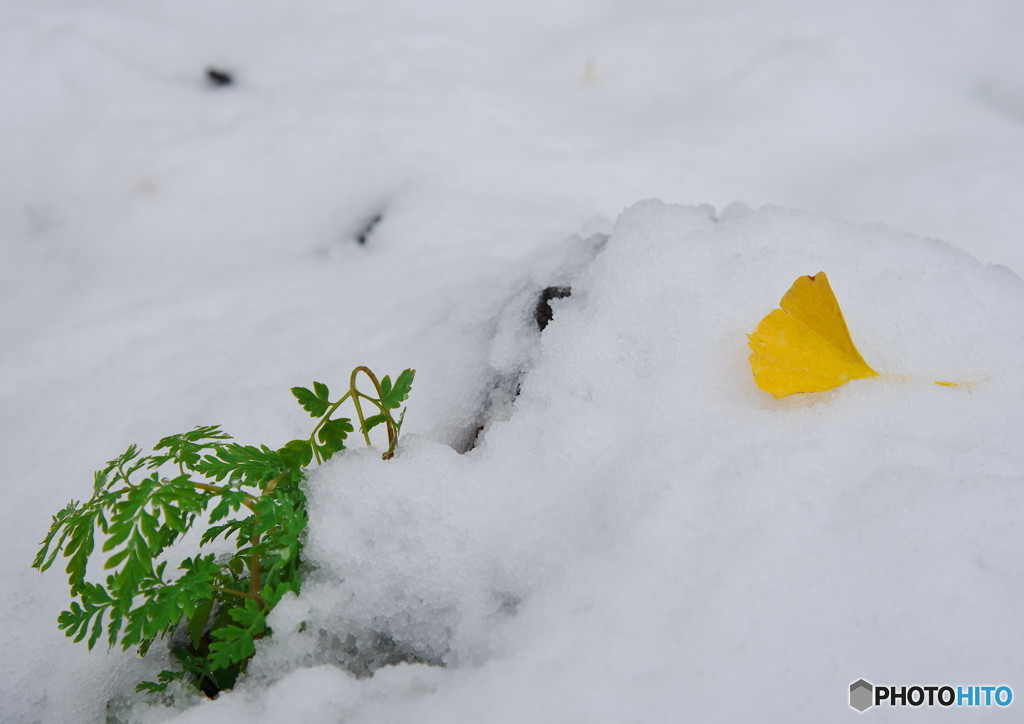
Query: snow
{"points": [[642, 534]]}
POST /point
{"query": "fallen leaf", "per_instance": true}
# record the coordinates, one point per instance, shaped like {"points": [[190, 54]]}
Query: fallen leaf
{"points": [[805, 346]]}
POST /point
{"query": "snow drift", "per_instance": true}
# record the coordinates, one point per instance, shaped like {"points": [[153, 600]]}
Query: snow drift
{"points": [[644, 535]]}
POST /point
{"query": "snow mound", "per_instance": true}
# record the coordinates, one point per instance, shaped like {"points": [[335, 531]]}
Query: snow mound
{"points": [[643, 535]]}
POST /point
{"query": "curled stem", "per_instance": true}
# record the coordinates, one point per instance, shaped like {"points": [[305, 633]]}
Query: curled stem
{"points": [[388, 421]]}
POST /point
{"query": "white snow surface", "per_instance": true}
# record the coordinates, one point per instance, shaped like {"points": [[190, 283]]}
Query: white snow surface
{"points": [[642, 534]]}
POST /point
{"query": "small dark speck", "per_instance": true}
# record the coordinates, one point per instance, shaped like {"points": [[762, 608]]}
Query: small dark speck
{"points": [[543, 313], [367, 229], [508, 603], [219, 77]]}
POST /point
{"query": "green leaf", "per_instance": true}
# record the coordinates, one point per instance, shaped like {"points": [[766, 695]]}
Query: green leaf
{"points": [[372, 422], [99, 481], [247, 463], [97, 629], [113, 628], [231, 645], [76, 620], [120, 534], [192, 663], [231, 499], [115, 560], [321, 391], [393, 397], [197, 623], [124, 464], [150, 527], [78, 547], [226, 529], [333, 434], [249, 616], [71, 620], [310, 401], [297, 453], [187, 448], [273, 594], [60, 528], [164, 678]]}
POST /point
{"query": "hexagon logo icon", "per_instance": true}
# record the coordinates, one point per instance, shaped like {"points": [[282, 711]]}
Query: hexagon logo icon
{"points": [[861, 695]]}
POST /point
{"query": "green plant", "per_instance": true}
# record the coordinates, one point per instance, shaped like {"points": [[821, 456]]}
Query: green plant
{"points": [[215, 606]]}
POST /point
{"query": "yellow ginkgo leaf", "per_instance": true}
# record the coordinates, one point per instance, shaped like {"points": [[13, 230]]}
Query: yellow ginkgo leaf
{"points": [[805, 346]]}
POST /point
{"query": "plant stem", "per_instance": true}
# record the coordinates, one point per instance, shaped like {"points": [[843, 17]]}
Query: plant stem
{"points": [[327, 415], [254, 572], [273, 484], [323, 421], [248, 501], [232, 592], [388, 421], [355, 401]]}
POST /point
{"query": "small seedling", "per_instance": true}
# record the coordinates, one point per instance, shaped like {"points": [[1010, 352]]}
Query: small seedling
{"points": [[212, 607]]}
